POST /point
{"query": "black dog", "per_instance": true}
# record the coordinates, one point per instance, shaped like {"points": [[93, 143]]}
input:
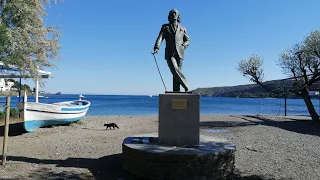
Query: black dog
{"points": [[114, 125]]}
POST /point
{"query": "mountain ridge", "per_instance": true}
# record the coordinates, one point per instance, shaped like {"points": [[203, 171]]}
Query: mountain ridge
{"points": [[247, 90]]}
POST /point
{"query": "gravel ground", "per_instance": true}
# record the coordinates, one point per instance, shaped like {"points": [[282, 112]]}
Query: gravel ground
{"points": [[268, 147]]}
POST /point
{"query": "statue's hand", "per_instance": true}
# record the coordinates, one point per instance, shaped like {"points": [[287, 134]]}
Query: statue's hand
{"points": [[155, 51]]}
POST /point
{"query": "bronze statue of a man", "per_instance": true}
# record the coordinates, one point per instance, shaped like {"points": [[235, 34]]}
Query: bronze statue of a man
{"points": [[177, 40]]}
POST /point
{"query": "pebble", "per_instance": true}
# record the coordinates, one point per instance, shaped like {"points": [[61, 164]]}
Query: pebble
{"points": [[267, 149]]}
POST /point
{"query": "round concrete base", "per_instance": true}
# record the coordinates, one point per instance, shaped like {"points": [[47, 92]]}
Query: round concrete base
{"points": [[213, 158]]}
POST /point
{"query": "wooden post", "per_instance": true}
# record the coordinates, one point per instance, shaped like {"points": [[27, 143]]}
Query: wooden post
{"points": [[6, 132]]}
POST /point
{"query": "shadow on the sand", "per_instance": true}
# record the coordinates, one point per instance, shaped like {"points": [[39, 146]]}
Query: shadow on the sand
{"points": [[108, 167], [212, 124], [15, 129], [299, 126], [252, 177], [46, 173]]}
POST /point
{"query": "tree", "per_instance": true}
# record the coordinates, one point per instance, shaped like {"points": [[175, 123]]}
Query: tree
{"points": [[16, 84], [27, 87], [25, 42], [300, 62]]}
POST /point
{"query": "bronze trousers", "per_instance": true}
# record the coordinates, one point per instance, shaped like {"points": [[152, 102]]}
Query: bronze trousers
{"points": [[175, 65]]}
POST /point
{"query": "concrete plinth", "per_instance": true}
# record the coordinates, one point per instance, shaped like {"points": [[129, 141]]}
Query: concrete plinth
{"points": [[213, 159], [179, 115]]}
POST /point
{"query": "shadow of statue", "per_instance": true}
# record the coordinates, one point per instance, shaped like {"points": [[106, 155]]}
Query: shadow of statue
{"points": [[107, 167], [308, 127], [299, 126]]}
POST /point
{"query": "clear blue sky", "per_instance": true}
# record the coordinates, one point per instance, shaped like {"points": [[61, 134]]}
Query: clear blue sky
{"points": [[106, 45]]}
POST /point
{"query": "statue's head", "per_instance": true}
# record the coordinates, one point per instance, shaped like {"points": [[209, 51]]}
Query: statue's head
{"points": [[174, 15]]}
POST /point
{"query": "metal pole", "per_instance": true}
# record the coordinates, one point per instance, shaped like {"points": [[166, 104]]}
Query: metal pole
{"points": [[6, 132], [20, 90], [37, 89], [159, 71], [319, 102], [285, 105]]}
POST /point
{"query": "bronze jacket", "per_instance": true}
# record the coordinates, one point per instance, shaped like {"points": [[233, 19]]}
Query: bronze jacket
{"points": [[176, 41]]}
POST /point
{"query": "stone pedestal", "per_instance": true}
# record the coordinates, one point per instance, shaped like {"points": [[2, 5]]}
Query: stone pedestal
{"points": [[179, 115], [213, 159], [178, 152]]}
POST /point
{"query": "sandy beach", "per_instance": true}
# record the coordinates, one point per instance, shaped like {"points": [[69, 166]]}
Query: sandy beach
{"points": [[268, 147]]}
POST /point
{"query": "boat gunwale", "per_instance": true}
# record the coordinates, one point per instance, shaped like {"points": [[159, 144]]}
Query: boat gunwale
{"points": [[64, 104]]}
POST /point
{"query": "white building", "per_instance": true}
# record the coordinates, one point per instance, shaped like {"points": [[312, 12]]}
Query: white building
{"points": [[5, 86], [313, 93]]}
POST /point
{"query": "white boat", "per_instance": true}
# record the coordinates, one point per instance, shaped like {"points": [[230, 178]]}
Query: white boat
{"points": [[36, 115]]}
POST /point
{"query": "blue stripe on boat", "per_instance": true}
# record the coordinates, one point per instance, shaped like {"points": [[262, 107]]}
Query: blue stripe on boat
{"points": [[73, 109], [32, 125], [55, 112]]}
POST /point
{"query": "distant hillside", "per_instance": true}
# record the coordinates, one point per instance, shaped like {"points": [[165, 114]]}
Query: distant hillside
{"points": [[248, 90]]}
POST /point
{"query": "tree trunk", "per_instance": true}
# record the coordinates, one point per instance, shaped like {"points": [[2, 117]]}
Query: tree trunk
{"points": [[307, 100]]}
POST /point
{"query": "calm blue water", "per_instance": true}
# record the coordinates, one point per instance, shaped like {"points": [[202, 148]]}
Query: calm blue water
{"points": [[144, 105]]}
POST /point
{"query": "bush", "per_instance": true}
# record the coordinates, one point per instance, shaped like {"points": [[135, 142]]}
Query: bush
{"points": [[2, 115], [14, 112]]}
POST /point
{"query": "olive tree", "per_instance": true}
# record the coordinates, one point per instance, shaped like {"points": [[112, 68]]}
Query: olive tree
{"points": [[25, 41], [301, 64]]}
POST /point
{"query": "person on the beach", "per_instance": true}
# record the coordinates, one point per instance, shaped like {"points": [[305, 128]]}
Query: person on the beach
{"points": [[177, 40]]}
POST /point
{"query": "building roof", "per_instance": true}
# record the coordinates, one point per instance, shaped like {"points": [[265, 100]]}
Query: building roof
{"points": [[13, 72]]}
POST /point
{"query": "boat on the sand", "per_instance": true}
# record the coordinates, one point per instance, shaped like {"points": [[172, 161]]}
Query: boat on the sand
{"points": [[36, 115]]}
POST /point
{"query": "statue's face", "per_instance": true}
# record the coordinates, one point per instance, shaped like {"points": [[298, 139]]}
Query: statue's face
{"points": [[174, 15]]}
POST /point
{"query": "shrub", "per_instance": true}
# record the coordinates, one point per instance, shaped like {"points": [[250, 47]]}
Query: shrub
{"points": [[2, 115], [14, 112]]}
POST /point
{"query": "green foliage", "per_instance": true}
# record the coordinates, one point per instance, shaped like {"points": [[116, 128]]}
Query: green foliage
{"points": [[2, 115], [27, 42], [17, 85], [14, 112], [312, 44], [3, 39], [252, 68], [27, 87]]}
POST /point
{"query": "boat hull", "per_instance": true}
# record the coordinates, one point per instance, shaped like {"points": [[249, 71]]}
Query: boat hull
{"points": [[37, 115]]}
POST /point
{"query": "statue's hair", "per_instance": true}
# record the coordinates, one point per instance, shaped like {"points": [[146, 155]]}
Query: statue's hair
{"points": [[179, 18]]}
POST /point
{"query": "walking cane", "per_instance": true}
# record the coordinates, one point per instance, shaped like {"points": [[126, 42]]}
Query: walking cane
{"points": [[159, 70]]}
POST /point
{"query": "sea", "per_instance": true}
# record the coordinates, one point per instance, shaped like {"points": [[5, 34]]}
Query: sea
{"points": [[132, 105]]}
